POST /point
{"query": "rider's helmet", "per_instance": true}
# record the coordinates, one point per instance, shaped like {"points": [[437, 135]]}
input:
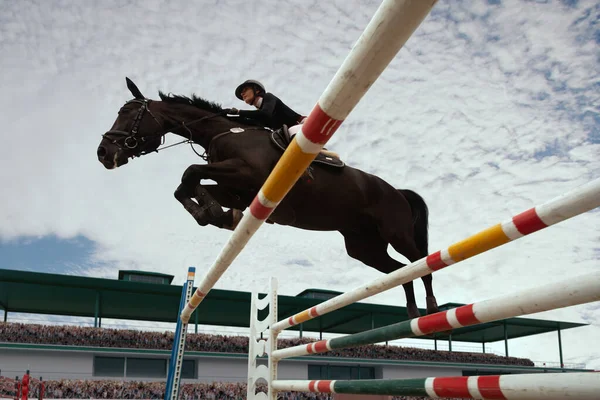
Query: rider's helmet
{"points": [[256, 85]]}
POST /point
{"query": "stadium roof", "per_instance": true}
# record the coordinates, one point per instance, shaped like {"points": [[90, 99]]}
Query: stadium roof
{"points": [[43, 293]]}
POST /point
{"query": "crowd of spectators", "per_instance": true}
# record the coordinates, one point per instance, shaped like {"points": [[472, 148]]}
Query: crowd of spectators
{"points": [[109, 389], [68, 335]]}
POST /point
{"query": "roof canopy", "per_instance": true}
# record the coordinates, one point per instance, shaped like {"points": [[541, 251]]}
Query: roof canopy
{"points": [[42, 293]]}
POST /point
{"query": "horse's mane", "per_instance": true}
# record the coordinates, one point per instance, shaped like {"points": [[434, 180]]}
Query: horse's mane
{"points": [[194, 101]]}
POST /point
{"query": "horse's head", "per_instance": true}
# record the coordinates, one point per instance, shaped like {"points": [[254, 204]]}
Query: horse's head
{"points": [[135, 132]]}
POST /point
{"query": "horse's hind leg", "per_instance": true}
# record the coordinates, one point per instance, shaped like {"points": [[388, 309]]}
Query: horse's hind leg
{"points": [[405, 245], [371, 249]]}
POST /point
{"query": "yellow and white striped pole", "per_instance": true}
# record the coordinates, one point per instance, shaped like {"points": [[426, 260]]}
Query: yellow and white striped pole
{"points": [[391, 26]]}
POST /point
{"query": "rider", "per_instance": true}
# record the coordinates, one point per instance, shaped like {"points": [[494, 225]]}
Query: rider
{"points": [[270, 110]]}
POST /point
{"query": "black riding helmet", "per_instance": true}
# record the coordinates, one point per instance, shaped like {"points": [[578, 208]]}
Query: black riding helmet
{"points": [[250, 82]]}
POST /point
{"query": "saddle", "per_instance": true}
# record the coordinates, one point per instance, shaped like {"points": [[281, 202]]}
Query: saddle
{"points": [[281, 138]]}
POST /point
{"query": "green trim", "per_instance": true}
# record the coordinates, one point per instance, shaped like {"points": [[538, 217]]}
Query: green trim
{"points": [[391, 332], [394, 387]]}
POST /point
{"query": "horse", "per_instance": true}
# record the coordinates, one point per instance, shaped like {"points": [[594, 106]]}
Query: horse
{"points": [[367, 211]]}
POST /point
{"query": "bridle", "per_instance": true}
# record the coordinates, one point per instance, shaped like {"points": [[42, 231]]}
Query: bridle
{"points": [[131, 140]]}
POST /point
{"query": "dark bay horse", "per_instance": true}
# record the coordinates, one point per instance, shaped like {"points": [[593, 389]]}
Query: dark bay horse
{"points": [[368, 212]]}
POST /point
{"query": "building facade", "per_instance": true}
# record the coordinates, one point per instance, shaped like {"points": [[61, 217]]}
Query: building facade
{"points": [[74, 362]]}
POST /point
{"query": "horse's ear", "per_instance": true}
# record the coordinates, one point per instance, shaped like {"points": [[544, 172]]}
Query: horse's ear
{"points": [[134, 89]]}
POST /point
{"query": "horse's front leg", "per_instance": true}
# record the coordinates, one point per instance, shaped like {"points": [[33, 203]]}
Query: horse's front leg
{"points": [[207, 209]]}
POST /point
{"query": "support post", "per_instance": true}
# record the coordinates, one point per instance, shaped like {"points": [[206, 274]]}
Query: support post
{"points": [[5, 314], [450, 343], [258, 348], [301, 330], [560, 347], [321, 329], [97, 310], [505, 339], [196, 323], [483, 347]]}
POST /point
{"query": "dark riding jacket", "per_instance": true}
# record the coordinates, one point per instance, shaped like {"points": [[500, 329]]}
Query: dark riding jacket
{"points": [[273, 113]]}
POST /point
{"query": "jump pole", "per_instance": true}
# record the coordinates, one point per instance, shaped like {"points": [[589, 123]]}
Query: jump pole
{"points": [[561, 208], [580, 386], [176, 361], [565, 293], [575, 202], [391, 26]]}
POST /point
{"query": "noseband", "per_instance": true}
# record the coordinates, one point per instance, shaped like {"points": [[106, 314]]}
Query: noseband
{"points": [[131, 139]]}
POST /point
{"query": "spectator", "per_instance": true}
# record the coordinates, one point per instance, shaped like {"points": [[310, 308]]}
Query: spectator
{"points": [[92, 389], [124, 338]]}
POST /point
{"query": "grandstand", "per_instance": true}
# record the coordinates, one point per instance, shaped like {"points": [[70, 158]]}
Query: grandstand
{"points": [[99, 354]]}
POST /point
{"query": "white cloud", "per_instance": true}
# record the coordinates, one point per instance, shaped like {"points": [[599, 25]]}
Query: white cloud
{"points": [[481, 113]]}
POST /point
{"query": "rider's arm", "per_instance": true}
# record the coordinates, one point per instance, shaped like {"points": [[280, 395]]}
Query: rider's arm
{"points": [[265, 113]]}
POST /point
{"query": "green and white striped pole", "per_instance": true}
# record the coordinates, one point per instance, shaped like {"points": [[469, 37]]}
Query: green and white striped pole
{"points": [[580, 386]]}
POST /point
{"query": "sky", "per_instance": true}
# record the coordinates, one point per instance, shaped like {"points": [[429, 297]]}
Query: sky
{"points": [[491, 108]]}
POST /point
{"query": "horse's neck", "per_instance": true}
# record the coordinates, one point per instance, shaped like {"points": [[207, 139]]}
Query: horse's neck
{"points": [[195, 123]]}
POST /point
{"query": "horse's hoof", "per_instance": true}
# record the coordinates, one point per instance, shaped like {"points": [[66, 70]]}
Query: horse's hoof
{"points": [[236, 217], [413, 311], [432, 306], [182, 193], [200, 217]]}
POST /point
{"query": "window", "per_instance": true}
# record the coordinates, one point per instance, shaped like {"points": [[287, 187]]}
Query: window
{"points": [[188, 369], [317, 372], [109, 366], [140, 367], [146, 367]]}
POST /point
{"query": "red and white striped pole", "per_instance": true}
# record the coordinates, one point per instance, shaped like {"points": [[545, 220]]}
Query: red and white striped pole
{"points": [[391, 26]]}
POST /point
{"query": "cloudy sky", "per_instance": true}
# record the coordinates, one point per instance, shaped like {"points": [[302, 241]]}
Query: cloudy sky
{"points": [[490, 108]]}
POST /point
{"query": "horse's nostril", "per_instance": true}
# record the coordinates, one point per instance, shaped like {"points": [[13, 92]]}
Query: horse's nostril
{"points": [[101, 151]]}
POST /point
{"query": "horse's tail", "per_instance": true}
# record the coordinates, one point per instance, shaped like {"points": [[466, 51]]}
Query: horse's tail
{"points": [[420, 219]]}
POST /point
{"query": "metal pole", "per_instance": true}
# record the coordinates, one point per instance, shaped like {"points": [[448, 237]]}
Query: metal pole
{"points": [[321, 329], [560, 347], [97, 310], [5, 314], [483, 346], [450, 343], [196, 322], [301, 330], [505, 339]]}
